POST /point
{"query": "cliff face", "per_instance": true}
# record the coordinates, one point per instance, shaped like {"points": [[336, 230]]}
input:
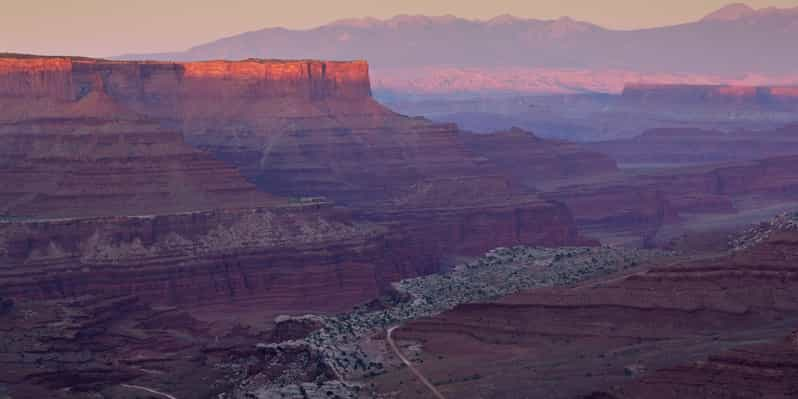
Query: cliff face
{"points": [[754, 371], [86, 167], [146, 86], [102, 195], [106, 197], [294, 128], [285, 259]]}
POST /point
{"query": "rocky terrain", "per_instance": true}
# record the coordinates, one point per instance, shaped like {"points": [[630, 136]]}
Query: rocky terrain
{"points": [[759, 370], [165, 212], [632, 335], [280, 258], [650, 206], [113, 347], [335, 356], [300, 129], [103, 198]]}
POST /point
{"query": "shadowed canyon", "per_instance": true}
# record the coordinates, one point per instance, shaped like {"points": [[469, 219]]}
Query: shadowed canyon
{"points": [[546, 223]]}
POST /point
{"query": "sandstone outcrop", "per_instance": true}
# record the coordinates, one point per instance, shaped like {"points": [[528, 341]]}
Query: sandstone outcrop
{"points": [[295, 129], [103, 196], [284, 258], [107, 196]]}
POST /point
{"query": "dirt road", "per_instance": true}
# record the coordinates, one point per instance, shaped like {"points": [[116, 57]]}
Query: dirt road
{"points": [[413, 369]]}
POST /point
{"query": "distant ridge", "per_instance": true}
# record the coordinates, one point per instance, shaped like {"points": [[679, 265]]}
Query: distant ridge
{"points": [[731, 12], [733, 43]]}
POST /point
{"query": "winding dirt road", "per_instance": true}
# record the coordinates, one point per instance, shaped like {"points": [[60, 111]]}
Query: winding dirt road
{"points": [[413, 369], [149, 390]]}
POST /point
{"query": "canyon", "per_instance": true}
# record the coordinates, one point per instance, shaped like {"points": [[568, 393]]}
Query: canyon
{"points": [[685, 328], [636, 106], [584, 213], [217, 196], [278, 183], [188, 204]]}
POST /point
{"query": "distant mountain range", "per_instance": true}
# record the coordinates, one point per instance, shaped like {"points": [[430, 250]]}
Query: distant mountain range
{"points": [[733, 41]]}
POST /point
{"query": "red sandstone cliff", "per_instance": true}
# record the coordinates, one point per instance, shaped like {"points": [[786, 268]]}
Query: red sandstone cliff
{"points": [[99, 145], [294, 128], [102, 195]]}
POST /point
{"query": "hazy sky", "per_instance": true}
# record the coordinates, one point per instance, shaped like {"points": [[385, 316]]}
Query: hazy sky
{"points": [[112, 27]]}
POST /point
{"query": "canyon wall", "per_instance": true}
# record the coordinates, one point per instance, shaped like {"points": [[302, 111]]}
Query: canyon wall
{"points": [[295, 257], [294, 128], [104, 196], [87, 167], [200, 183]]}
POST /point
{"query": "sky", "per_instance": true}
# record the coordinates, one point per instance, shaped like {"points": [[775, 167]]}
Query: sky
{"points": [[100, 28]]}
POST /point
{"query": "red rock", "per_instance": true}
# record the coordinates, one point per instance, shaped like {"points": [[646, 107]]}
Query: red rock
{"points": [[755, 371], [569, 342], [285, 259], [98, 144], [70, 348]]}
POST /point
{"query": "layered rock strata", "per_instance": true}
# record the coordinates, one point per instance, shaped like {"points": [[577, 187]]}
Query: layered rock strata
{"points": [[608, 333], [283, 258], [294, 128]]}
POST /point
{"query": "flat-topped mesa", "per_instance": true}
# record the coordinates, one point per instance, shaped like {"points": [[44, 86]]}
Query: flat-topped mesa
{"points": [[710, 94], [170, 89]]}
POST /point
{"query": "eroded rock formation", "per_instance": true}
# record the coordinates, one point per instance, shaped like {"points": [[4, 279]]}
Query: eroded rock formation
{"points": [[106, 197], [295, 129]]}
